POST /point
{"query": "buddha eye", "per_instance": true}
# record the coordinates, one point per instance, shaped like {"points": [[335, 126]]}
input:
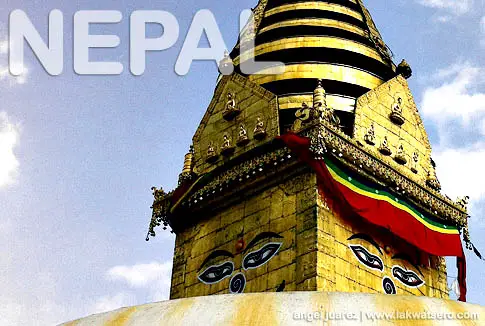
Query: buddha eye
{"points": [[217, 273], [408, 278], [260, 257], [367, 258]]}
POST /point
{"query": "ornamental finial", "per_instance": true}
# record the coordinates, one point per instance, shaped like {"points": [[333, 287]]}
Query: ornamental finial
{"points": [[188, 168], [404, 69], [319, 96]]}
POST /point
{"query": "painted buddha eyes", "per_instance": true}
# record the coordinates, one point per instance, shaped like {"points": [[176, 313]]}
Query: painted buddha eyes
{"points": [[260, 257], [367, 258], [408, 278], [217, 273]]}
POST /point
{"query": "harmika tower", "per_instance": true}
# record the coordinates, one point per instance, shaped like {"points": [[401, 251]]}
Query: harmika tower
{"points": [[317, 179]]}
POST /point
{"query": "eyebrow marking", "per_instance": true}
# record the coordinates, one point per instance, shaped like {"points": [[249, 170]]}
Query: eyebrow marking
{"points": [[405, 257], [367, 238], [262, 236], [215, 254]]}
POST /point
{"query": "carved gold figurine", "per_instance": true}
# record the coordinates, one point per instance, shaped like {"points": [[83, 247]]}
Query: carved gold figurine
{"points": [[400, 156], [370, 137], [211, 153], [384, 148], [259, 131], [432, 179], [304, 114], [243, 138], [226, 147], [231, 109], [414, 168], [396, 112]]}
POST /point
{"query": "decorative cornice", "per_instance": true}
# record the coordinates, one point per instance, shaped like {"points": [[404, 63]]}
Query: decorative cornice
{"points": [[346, 150], [240, 173], [215, 184]]}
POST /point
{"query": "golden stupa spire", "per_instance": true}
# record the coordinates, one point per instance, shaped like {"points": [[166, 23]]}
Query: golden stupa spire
{"points": [[336, 42]]}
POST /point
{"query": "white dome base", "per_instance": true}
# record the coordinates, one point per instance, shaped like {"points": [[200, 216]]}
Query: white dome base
{"points": [[294, 308]]}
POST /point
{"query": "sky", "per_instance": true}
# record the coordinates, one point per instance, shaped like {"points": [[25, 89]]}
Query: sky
{"points": [[79, 154]]}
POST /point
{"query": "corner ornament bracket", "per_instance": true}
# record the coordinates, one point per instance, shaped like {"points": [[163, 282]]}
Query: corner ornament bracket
{"points": [[160, 211]]}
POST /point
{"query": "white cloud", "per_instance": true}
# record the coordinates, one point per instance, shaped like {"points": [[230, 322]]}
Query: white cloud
{"points": [[461, 171], [455, 7], [153, 278], [9, 134], [455, 105], [142, 275], [456, 96]]}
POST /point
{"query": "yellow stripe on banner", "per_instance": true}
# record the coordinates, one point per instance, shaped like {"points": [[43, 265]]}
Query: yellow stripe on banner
{"points": [[360, 191]]}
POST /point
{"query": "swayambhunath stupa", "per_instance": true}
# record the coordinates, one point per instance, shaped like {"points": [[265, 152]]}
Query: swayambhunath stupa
{"points": [[310, 190]]}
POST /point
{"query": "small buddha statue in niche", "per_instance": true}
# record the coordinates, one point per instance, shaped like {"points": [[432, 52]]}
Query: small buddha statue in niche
{"points": [[414, 168], [304, 114], [400, 155], [231, 102], [396, 112], [432, 180], [384, 148], [243, 138], [226, 147], [231, 110], [370, 136], [396, 107], [211, 153], [259, 131]]}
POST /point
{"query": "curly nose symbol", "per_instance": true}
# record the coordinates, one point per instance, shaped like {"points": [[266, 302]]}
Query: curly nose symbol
{"points": [[388, 286], [237, 283]]}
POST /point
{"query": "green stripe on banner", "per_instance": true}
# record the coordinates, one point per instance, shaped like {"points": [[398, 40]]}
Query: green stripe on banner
{"points": [[343, 178]]}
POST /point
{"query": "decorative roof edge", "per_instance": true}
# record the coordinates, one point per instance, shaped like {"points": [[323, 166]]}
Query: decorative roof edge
{"points": [[348, 151]]}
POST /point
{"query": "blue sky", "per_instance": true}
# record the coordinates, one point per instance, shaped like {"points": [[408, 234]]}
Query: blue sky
{"points": [[78, 154]]}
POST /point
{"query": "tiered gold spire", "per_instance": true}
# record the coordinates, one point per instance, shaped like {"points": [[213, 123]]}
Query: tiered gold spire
{"points": [[332, 40]]}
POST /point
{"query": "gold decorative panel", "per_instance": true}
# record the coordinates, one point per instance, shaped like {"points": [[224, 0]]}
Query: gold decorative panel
{"points": [[374, 110], [241, 116]]}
